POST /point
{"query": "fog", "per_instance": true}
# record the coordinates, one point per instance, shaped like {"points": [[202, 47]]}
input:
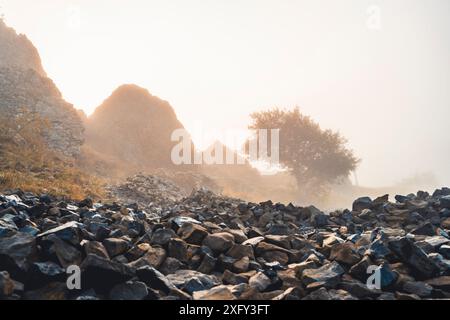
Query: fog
{"points": [[376, 71]]}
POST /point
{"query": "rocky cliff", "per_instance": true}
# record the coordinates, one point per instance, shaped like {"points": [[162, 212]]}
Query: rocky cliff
{"points": [[24, 84]]}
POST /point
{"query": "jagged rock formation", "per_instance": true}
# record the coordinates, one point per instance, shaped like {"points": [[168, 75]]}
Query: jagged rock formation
{"points": [[17, 51], [133, 127], [24, 84]]}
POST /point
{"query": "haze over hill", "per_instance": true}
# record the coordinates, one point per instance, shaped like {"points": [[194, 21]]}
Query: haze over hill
{"points": [[130, 132], [133, 126], [100, 207], [380, 86]]}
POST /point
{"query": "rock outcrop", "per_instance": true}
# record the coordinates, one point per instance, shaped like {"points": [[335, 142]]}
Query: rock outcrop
{"points": [[133, 127], [24, 84], [17, 51]]}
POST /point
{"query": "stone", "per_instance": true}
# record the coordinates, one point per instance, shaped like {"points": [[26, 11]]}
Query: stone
{"points": [[115, 246], [66, 253], [208, 264], [281, 241], [154, 279], [181, 220], [319, 294], [426, 229], [404, 296], [345, 253], [130, 290], [42, 273], [445, 202], [191, 281], [362, 203], [253, 241], [170, 265], [292, 293], [387, 296], [17, 253], [241, 265], [276, 256], [232, 278], [332, 240], [299, 267], [340, 295], [95, 247], [216, 293], [101, 274], [328, 274], [446, 224], [239, 251], [414, 256], [8, 211], [178, 249], [444, 250], [51, 291], [137, 251], [442, 283], [259, 281], [420, 289], [264, 247], [154, 257], [289, 279], [320, 220], [437, 241], [378, 249], [6, 284], [359, 289], [192, 233], [69, 232], [162, 236], [239, 235], [102, 233], [219, 242]]}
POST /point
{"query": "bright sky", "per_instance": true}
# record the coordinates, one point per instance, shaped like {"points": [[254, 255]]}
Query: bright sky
{"points": [[377, 71]]}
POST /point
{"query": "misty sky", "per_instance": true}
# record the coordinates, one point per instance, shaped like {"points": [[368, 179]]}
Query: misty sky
{"points": [[377, 71]]}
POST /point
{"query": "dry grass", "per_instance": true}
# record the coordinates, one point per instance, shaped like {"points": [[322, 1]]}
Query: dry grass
{"points": [[67, 185], [55, 177], [26, 163]]}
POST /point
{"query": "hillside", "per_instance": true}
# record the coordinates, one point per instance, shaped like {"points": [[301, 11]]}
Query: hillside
{"points": [[133, 127]]}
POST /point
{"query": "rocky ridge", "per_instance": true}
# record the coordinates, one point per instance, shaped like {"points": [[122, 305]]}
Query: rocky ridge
{"points": [[24, 84], [133, 127], [206, 246]]}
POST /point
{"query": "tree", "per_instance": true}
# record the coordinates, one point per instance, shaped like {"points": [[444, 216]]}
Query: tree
{"points": [[315, 157]]}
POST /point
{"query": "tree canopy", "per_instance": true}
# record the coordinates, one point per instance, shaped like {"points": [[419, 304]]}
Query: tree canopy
{"points": [[315, 157]]}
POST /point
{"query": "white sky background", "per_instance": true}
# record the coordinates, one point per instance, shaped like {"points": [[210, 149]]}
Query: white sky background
{"points": [[386, 89]]}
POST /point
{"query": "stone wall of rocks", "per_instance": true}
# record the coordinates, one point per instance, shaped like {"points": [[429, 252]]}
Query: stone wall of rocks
{"points": [[207, 246]]}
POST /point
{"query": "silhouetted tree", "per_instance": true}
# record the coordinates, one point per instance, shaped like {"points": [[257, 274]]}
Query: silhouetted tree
{"points": [[315, 157]]}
